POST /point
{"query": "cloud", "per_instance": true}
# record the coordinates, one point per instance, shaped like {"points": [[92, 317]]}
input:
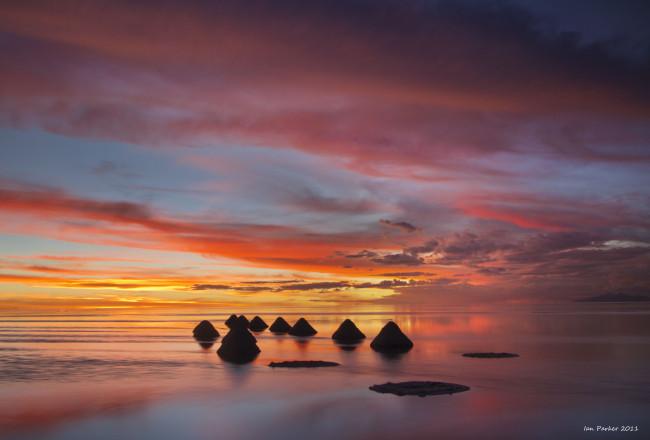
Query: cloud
{"points": [[363, 254], [139, 225], [407, 274], [398, 260], [324, 285], [403, 81], [211, 287], [403, 226]]}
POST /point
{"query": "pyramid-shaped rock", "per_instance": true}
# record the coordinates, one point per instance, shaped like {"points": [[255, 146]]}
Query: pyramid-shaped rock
{"points": [[257, 324], [238, 346], [230, 321], [347, 331], [241, 319], [391, 339], [302, 328], [280, 326], [240, 323], [205, 331]]}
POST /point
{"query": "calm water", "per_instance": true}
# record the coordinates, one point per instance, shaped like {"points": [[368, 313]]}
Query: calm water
{"points": [[137, 375]]}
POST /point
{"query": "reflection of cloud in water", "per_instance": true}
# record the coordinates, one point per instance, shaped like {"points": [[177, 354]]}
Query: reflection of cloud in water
{"points": [[46, 412], [30, 367]]}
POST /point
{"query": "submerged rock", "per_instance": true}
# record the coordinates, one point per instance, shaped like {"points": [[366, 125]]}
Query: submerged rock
{"points": [[280, 326], [391, 340], [257, 324], [303, 364], [230, 321], [491, 355], [347, 331], [417, 388], [205, 331], [238, 346], [302, 328]]}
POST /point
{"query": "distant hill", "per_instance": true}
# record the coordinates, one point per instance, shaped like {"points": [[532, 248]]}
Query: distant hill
{"points": [[615, 297]]}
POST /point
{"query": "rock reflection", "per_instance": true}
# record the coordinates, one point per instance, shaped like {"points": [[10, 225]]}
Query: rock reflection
{"points": [[392, 356], [302, 343], [347, 346], [206, 345], [239, 373]]}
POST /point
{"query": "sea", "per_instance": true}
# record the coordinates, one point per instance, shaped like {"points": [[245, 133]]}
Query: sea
{"points": [[583, 372]]}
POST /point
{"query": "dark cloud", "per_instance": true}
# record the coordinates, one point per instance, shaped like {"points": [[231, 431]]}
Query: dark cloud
{"points": [[363, 254], [324, 285], [399, 260], [210, 287], [273, 281], [427, 247], [406, 274], [403, 226], [417, 77]]}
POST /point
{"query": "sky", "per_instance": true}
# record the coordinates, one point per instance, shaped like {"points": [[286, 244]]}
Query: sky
{"points": [[167, 153]]}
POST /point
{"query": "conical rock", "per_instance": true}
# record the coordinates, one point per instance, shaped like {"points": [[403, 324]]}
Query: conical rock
{"points": [[391, 339], [347, 331], [205, 330], [230, 321], [302, 328], [257, 324], [280, 326], [238, 346]]}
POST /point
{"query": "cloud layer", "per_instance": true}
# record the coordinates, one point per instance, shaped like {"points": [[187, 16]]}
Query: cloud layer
{"points": [[486, 145]]}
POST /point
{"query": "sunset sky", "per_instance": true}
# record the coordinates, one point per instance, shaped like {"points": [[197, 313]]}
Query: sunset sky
{"points": [[322, 152]]}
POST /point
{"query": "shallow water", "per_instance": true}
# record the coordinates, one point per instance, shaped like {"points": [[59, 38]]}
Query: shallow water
{"points": [[140, 374]]}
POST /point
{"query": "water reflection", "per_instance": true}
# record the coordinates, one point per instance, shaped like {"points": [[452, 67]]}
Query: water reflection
{"points": [[238, 373], [545, 393], [392, 356], [302, 343], [347, 346], [206, 345]]}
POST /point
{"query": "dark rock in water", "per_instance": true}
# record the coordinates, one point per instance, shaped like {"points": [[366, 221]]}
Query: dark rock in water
{"points": [[347, 331], [237, 325], [417, 388], [280, 326], [257, 324], [302, 328], [238, 346], [491, 355], [205, 331], [303, 364], [241, 319], [206, 345], [391, 340], [230, 321]]}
